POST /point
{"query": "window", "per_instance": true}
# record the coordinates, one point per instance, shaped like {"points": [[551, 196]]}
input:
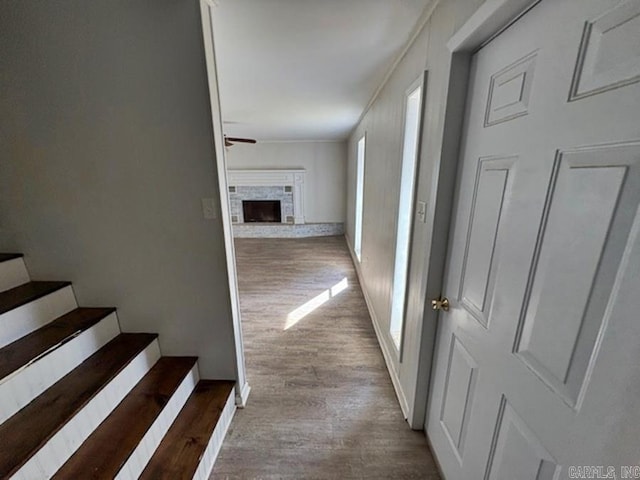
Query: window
{"points": [[405, 210], [357, 241]]}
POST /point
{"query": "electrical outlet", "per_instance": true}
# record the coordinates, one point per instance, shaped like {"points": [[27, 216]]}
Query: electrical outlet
{"points": [[422, 212], [209, 208]]}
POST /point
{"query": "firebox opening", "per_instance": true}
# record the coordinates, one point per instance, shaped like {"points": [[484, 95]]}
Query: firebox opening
{"points": [[261, 211]]}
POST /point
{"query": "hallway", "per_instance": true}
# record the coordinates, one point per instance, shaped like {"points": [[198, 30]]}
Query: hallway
{"points": [[322, 405]]}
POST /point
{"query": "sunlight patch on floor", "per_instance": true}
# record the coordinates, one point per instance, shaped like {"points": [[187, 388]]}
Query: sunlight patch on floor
{"points": [[303, 310]]}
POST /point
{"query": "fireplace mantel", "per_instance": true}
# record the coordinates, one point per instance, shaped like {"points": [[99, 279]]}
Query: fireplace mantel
{"points": [[273, 178]]}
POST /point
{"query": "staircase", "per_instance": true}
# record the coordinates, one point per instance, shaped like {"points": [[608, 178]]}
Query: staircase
{"points": [[79, 399]]}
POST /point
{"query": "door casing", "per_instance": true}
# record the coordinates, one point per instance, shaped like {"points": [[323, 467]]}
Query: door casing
{"points": [[206, 11]]}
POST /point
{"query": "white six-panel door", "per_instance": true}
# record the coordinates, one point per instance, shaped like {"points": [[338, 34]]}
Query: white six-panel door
{"points": [[538, 360]]}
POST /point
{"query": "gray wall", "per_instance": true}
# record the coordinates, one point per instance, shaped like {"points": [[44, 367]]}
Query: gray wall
{"points": [[325, 163], [383, 124], [106, 149]]}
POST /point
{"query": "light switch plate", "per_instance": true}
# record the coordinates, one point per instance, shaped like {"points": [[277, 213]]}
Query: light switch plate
{"points": [[422, 211], [209, 208]]}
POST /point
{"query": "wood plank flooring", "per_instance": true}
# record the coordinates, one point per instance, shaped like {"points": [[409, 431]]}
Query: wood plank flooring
{"points": [[322, 405]]}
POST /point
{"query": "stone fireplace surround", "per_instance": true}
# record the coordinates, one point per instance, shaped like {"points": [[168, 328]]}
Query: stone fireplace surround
{"points": [[237, 197], [286, 186]]}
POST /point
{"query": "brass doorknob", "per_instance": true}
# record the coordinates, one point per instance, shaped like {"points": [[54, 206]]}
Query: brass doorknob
{"points": [[440, 304]]}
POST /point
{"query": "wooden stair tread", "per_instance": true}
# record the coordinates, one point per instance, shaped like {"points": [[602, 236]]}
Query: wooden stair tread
{"points": [[5, 257], [26, 293], [30, 347], [27, 431], [183, 446], [107, 449]]}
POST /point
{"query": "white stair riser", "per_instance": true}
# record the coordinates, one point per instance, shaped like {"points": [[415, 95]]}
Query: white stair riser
{"points": [[215, 442], [19, 388], [134, 466], [13, 273], [23, 320], [67, 440]]}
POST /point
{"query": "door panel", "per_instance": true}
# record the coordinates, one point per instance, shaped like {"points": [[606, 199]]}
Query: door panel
{"points": [[536, 361], [516, 453], [509, 91], [610, 52], [488, 204], [458, 396], [590, 209]]}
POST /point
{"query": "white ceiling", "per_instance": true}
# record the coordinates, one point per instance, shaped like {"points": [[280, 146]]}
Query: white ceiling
{"points": [[305, 69]]}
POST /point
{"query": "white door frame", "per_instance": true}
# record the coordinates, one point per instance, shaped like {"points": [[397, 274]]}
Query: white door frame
{"points": [[421, 82], [486, 23], [206, 11]]}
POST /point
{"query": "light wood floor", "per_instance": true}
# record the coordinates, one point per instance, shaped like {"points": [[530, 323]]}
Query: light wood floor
{"points": [[322, 405]]}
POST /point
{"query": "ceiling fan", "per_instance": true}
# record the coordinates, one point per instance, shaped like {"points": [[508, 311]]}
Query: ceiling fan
{"points": [[230, 141]]}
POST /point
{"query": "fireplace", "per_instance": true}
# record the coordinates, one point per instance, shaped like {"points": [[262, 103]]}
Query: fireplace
{"points": [[267, 211]]}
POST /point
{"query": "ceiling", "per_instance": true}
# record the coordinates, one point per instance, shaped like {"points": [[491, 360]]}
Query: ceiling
{"points": [[305, 69]]}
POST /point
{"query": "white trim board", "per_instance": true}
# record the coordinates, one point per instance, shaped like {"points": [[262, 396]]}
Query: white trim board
{"points": [[491, 18], [206, 11], [217, 438], [386, 353], [267, 178], [242, 395]]}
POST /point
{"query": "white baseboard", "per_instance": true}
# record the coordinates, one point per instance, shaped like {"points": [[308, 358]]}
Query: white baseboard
{"points": [[242, 395], [215, 443], [386, 353]]}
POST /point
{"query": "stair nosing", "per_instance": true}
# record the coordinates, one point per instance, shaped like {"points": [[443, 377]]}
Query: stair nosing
{"points": [[100, 314], [151, 337], [50, 287]]}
